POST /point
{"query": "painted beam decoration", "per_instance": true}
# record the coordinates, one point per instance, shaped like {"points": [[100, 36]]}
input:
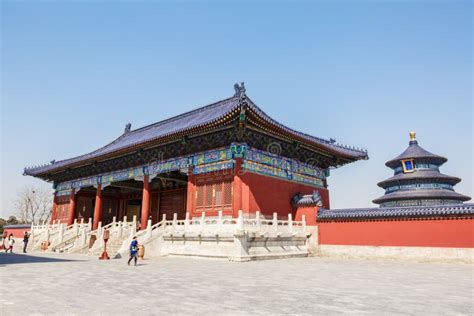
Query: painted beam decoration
{"points": [[266, 163], [180, 163], [213, 167], [254, 160], [204, 162]]}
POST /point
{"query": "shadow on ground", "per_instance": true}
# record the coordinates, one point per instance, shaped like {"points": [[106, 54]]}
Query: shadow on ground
{"points": [[13, 258]]}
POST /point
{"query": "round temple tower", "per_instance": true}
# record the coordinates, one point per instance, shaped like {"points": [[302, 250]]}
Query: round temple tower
{"points": [[417, 180]]}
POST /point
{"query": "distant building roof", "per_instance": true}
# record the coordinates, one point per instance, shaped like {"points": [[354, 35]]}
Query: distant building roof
{"points": [[415, 151], [396, 212], [16, 226], [417, 180]]}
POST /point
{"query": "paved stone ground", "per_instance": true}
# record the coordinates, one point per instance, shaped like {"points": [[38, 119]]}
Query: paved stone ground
{"points": [[77, 284]]}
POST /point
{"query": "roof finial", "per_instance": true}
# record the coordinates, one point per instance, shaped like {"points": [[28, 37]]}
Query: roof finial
{"points": [[128, 127], [412, 136], [239, 90]]}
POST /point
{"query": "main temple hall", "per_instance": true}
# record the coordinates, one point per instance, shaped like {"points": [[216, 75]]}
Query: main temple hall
{"points": [[226, 156]]}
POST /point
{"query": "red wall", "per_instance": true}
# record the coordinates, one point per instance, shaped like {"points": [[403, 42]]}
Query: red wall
{"points": [[17, 232], [457, 233], [267, 194]]}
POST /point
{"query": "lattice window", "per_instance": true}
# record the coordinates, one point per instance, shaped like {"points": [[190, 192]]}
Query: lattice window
{"points": [[209, 195], [218, 194], [214, 195], [227, 188], [200, 196]]}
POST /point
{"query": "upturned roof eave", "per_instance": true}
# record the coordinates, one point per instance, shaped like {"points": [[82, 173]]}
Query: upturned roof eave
{"points": [[399, 180], [350, 154], [415, 195]]}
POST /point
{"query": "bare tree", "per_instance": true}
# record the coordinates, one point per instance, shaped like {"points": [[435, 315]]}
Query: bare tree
{"points": [[33, 204]]}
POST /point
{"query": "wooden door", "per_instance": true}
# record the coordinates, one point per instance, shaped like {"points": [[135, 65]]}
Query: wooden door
{"points": [[173, 202], [109, 210], [84, 208]]}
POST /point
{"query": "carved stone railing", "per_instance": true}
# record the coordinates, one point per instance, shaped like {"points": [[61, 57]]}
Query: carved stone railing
{"points": [[230, 225], [118, 231]]}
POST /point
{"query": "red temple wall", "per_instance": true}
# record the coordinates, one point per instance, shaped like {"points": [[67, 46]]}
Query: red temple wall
{"points": [[18, 232], [251, 193], [458, 233], [267, 194]]}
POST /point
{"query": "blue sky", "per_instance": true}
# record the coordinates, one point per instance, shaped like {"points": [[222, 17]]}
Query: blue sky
{"points": [[365, 73]]}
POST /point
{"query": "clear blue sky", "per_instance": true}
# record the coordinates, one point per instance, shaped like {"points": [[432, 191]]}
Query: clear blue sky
{"points": [[365, 73]]}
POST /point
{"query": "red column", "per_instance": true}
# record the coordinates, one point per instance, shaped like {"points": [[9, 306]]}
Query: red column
{"points": [[191, 193], [145, 203], [237, 188], [72, 208], [53, 212], [98, 207]]}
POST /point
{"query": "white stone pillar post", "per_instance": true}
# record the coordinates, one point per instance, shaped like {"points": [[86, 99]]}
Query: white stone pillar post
{"points": [[275, 221], [175, 219], [61, 233], [219, 220], [290, 222], [133, 229], [186, 222], [120, 228], [99, 230], [47, 235], [148, 228], [258, 221], [240, 220], [89, 224], [303, 219], [83, 237], [75, 227], [203, 216]]}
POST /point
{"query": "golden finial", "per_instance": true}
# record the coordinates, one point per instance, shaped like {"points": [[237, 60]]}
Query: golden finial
{"points": [[412, 136]]}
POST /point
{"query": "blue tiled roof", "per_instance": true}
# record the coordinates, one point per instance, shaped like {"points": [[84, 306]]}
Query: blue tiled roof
{"points": [[421, 194], [186, 122], [415, 151], [394, 212], [418, 175]]}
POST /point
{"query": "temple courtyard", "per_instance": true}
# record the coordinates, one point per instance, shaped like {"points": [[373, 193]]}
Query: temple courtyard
{"points": [[78, 284]]}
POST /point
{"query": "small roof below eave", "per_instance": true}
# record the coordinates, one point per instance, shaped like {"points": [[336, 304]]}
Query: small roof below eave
{"points": [[394, 212]]}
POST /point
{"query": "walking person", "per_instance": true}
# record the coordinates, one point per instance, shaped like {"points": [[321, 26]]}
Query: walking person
{"points": [[133, 250], [11, 241], [25, 241]]}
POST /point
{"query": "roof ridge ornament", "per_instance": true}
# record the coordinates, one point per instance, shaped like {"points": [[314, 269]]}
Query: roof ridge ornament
{"points": [[127, 129], [239, 90]]}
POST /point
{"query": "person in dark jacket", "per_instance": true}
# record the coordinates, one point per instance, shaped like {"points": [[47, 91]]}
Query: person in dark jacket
{"points": [[26, 236], [133, 250]]}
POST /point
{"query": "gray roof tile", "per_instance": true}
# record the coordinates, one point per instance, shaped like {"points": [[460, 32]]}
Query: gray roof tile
{"points": [[396, 212], [181, 123]]}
